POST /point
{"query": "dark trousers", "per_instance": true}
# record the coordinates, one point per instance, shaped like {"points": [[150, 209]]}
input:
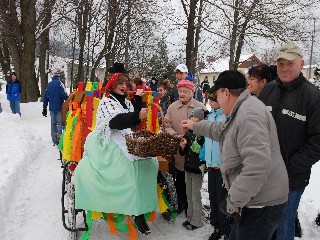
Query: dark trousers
{"points": [[257, 223], [180, 184], [218, 193]]}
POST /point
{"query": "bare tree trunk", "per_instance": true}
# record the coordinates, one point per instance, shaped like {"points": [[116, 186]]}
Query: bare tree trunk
{"points": [[44, 46], [5, 59], [197, 37], [83, 17], [190, 36], [21, 41], [128, 26]]}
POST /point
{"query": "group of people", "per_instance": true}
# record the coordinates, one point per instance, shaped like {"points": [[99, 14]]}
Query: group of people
{"points": [[258, 144]]}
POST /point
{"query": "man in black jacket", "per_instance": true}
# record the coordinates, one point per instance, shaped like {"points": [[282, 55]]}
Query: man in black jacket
{"points": [[295, 105]]}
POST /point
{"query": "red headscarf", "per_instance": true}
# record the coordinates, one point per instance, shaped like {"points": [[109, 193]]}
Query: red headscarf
{"points": [[112, 79]]}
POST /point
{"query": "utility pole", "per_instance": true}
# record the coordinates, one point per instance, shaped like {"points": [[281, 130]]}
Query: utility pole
{"points": [[312, 40]]}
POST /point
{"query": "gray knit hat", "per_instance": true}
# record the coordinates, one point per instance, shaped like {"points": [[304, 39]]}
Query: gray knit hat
{"points": [[198, 112]]}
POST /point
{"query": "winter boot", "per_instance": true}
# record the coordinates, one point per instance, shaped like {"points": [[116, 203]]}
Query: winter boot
{"points": [[142, 225], [297, 232], [318, 220], [167, 216], [216, 235]]}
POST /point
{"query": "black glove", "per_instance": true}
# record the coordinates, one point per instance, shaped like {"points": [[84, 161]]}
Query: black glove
{"points": [[45, 112]]}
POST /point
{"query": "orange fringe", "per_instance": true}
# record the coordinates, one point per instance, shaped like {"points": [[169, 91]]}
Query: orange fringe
{"points": [[152, 216], [111, 223], [131, 230]]}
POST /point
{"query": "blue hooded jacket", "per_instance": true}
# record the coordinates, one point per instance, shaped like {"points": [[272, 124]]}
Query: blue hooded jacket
{"points": [[13, 90], [211, 150], [55, 94]]}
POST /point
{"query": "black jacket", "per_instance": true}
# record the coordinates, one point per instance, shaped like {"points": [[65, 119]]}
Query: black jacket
{"points": [[126, 120], [296, 111], [192, 161]]}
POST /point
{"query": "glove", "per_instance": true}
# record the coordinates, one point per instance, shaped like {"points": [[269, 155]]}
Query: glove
{"points": [[202, 167], [45, 112]]}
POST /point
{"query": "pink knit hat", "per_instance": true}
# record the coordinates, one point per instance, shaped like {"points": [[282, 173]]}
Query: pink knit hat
{"points": [[187, 84]]}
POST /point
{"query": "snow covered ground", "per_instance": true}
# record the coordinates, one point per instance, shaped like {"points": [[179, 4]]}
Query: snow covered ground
{"points": [[31, 178]]}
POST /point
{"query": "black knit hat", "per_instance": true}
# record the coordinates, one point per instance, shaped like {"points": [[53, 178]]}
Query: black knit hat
{"points": [[230, 79], [117, 68]]}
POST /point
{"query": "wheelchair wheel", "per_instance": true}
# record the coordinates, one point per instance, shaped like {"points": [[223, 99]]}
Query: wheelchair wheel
{"points": [[68, 205], [167, 184]]}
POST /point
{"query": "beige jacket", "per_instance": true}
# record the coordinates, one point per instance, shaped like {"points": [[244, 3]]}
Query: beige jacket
{"points": [[252, 167], [177, 112]]}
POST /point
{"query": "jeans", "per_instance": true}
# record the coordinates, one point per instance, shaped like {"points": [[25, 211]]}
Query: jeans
{"points": [[15, 106], [286, 228], [56, 126], [257, 223], [218, 193]]}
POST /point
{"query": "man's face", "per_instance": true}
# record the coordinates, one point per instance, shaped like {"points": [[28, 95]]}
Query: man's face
{"points": [[223, 95], [181, 75], [161, 92], [289, 70], [185, 94], [13, 77]]}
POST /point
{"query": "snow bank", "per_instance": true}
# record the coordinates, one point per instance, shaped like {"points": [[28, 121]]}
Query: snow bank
{"points": [[18, 147]]}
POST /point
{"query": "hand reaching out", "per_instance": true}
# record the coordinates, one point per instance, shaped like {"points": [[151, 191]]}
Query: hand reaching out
{"points": [[187, 124], [139, 92], [143, 113]]}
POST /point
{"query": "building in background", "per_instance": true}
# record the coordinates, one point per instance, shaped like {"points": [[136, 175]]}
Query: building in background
{"points": [[212, 69]]}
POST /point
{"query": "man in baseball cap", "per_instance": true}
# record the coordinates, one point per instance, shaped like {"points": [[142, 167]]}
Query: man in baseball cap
{"points": [[181, 74], [294, 104], [288, 51]]}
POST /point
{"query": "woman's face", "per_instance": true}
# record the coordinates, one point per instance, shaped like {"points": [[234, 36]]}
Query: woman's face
{"points": [[185, 94], [255, 85], [120, 88], [161, 92]]}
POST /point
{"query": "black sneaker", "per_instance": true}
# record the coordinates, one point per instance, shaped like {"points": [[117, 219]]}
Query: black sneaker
{"points": [[141, 224], [318, 220], [216, 235]]}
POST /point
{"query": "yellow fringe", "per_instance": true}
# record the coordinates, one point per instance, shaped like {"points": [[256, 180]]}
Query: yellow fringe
{"points": [[161, 203], [96, 215]]}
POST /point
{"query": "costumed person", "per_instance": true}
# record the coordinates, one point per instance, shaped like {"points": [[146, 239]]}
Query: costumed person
{"points": [[13, 91], [178, 111], [55, 95], [190, 147], [108, 179]]}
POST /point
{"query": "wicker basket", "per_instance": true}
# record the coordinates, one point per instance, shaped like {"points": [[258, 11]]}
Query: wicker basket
{"points": [[144, 143]]}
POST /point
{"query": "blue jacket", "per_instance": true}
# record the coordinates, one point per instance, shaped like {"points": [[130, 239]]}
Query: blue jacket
{"points": [[211, 150], [55, 94], [13, 90]]}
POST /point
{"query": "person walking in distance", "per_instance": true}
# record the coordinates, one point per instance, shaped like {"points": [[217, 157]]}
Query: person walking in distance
{"points": [[54, 95], [13, 91]]}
